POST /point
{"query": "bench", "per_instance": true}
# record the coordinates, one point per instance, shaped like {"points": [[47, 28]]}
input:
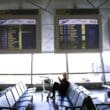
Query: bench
{"points": [[85, 100], [101, 105], [17, 98], [76, 99], [25, 89], [7, 101]]}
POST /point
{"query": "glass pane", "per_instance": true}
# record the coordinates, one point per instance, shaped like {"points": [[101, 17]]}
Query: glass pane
{"points": [[38, 79], [84, 62], [85, 78], [49, 63], [14, 79], [15, 63], [106, 56], [107, 77]]}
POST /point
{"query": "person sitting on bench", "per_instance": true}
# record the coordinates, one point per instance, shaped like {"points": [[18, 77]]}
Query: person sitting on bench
{"points": [[61, 87]]}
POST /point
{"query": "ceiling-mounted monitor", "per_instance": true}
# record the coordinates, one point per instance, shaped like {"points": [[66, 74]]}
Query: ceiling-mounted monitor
{"points": [[77, 32], [19, 31]]}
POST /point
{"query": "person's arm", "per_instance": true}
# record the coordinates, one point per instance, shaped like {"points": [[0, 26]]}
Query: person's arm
{"points": [[59, 79]]}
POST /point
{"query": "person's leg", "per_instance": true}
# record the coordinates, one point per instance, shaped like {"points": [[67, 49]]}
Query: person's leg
{"points": [[55, 87]]}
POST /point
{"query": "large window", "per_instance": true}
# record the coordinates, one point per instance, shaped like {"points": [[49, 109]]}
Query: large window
{"points": [[85, 67], [106, 62], [33, 68], [48, 65], [15, 68], [84, 62]]}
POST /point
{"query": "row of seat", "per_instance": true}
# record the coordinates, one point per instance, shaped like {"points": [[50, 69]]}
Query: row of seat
{"points": [[18, 97], [76, 99], [81, 98]]}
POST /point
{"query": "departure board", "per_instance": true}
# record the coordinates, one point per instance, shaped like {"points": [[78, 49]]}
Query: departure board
{"points": [[77, 32], [19, 34]]}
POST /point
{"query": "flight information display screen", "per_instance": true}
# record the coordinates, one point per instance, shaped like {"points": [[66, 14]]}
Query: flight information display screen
{"points": [[78, 33], [18, 34], [19, 31], [73, 34], [77, 30]]}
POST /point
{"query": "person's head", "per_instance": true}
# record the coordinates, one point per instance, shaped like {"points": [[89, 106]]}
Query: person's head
{"points": [[64, 75]]}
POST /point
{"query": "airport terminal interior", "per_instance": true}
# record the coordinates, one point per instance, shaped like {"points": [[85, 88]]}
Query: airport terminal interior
{"points": [[42, 39]]}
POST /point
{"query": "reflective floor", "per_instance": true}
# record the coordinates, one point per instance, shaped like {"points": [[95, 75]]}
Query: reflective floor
{"points": [[40, 100]]}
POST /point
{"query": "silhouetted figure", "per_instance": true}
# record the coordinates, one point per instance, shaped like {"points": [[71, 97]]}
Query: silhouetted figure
{"points": [[61, 87]]}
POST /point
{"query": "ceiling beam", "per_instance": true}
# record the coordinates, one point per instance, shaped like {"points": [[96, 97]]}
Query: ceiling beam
{"points": [[91, 3], [104, 2], [38, 6]]}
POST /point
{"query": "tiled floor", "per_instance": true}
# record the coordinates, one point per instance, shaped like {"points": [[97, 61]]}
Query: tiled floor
{"points": [[101, 94], [40, 102], [98, 93]]}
